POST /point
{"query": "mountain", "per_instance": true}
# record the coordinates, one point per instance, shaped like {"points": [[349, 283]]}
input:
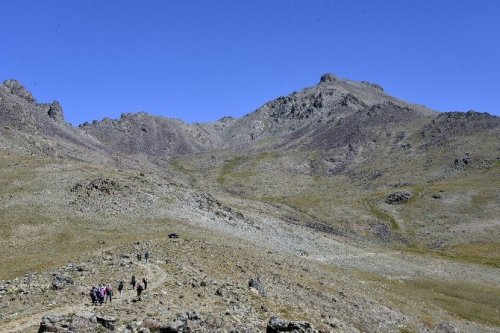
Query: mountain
{"points": [[338, 204]]}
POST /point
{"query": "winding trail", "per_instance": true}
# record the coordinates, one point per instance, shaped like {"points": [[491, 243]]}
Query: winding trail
{"points": [[154, 273]]}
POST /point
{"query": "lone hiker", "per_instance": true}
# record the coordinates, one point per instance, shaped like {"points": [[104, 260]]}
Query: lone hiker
{"points": [[139, 291], [146, 256], [133, 282], [120, 288]]}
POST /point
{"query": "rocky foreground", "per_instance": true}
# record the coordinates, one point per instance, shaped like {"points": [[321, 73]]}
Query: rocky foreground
{"points": [[210, 284]]}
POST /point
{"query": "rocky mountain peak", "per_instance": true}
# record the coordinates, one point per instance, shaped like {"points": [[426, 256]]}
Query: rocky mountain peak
{"points": [[17, 89], [328, 78]]}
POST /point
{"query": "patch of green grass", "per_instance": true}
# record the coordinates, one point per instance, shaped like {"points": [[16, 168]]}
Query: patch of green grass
{"points": [[177, 166], [479, 253], [378, 213], [229, 167], [468, 300]]}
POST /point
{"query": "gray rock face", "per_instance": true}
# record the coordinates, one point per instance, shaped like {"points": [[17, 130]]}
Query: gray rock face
{"points": [[327, 78], [276, 325], [55, 111], [373, 85], [17, 89]]}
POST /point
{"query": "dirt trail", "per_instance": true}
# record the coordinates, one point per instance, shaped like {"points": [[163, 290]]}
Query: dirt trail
{"points": [[154, 273]]}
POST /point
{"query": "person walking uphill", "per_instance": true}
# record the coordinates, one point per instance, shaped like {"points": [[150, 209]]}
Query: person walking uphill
{"points": [[139, 291], [133, 282], [93, 296], [145, 281], [120, 288], [109, 293], [146, 256]]}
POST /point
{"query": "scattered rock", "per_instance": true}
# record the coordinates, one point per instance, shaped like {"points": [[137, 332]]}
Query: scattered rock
{"points": [[463, 162], [83, 322], [398, 197], [276, 325], [258, 285], [60, 281]]}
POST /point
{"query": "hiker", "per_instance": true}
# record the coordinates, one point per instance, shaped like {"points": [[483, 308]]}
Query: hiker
{"points": [[139, 291], [120, 288], [145, 281], [146, 256], [139, 256], [109, 293], [101, 294], [93, 296], [132, 282]]}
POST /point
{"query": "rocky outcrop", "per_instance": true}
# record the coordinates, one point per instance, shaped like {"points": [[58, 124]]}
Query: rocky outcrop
{"points": [[276, 325], [256, 284], [399, 197], [60, 281], [17, 89], [55, 111], [373, 85], [82, 322]]}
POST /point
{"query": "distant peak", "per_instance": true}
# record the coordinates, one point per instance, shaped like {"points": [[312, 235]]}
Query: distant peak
{"points": [[16, 88], [327, 78], [373, 85]]}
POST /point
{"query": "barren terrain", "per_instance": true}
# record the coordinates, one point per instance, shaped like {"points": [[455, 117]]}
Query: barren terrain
{"points": [[339, 206]]}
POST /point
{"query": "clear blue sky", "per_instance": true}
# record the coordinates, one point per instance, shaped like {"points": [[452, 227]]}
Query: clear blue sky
{"points": [[201, 60]]}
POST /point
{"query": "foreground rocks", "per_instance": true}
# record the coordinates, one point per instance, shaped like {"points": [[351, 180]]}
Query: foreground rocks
{"points": [[276, 325], [191, 321], [81, 322]]}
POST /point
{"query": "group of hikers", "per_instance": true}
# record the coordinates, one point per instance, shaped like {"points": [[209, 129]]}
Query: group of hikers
{"points": [[146, 256], [104, 293], [101, 294]]}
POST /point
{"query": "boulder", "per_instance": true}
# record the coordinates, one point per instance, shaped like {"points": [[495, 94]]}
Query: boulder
{"points": [[399, 197], [60, 281], [81, 322], [276, 325], [258, 285]]}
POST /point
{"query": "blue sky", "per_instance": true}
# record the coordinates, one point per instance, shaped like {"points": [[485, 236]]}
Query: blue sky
{"points": [[202, 60]]}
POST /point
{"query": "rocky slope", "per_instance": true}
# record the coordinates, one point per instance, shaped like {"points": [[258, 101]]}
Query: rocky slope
{"points": [[337, 208]]}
